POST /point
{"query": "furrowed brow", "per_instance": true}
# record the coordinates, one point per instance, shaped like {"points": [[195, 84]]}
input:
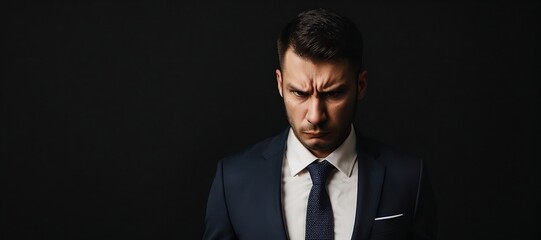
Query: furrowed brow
{"points": [[289, 86], [340, 87]]}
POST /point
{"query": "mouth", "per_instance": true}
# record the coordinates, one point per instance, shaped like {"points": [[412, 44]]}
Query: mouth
{"points": [[316, 134]]}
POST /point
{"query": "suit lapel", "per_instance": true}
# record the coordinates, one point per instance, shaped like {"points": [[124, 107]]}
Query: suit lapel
{"points": [[273, 158], [370, 182]]}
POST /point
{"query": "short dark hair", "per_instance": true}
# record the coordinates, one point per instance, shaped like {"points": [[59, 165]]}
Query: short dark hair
{"points": [[322, 35]]}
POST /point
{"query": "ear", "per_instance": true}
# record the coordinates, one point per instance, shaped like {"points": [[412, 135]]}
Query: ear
{"points": [[279, 81], [361, 84]]}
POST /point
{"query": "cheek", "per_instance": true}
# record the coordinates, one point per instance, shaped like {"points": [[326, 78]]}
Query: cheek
{"points": [[295, 111], [341, 111]]}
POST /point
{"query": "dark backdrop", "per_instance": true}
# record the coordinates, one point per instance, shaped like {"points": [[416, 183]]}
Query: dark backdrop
{"points": [[115, 114]]}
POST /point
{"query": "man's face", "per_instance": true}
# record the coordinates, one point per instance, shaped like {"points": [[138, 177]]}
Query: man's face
{"points": [[320, 100]]}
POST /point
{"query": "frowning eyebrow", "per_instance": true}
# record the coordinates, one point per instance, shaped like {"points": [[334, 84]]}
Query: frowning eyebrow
{"points": [[289, 86], [335, 88]]}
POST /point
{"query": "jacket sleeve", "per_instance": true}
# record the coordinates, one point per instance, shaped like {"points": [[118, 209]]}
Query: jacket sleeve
{"points": [[217, 222], [425, 224]]}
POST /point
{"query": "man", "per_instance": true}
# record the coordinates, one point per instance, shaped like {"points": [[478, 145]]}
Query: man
{"points": [[320, 179]]}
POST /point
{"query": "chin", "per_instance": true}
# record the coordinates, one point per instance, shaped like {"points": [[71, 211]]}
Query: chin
{"points": [[318, 145]]}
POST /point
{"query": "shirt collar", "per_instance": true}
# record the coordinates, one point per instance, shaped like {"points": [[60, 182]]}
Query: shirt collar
{"points": [[343, 157]]}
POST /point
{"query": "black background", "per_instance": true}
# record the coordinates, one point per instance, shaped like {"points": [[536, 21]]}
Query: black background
{"points": [[115, 114]]}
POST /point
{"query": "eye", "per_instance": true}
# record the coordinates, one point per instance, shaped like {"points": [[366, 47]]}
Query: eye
{"points": [[334, 94], [299, 93]]}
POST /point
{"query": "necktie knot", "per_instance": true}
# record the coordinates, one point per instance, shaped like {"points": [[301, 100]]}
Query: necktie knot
{"points": [[319, 171]]}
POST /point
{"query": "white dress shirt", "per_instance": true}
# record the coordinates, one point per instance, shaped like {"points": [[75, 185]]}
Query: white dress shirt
{"points": [[341, 186]]}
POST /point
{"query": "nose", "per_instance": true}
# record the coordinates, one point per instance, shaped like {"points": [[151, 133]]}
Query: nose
{"points": [[316, 113]]}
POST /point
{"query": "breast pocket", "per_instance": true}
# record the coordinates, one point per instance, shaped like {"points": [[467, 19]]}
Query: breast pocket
{"points": [[389, 228]]}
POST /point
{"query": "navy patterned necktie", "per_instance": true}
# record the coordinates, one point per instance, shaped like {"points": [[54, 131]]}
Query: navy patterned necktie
{"points": [[319, 217]]}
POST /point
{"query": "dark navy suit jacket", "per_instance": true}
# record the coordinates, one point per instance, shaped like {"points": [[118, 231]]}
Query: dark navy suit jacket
{"points": [[245, 197]]}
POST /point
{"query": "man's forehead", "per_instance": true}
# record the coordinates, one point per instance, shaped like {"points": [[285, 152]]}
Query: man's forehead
{"points": [[320, 82], [307, 72]]}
